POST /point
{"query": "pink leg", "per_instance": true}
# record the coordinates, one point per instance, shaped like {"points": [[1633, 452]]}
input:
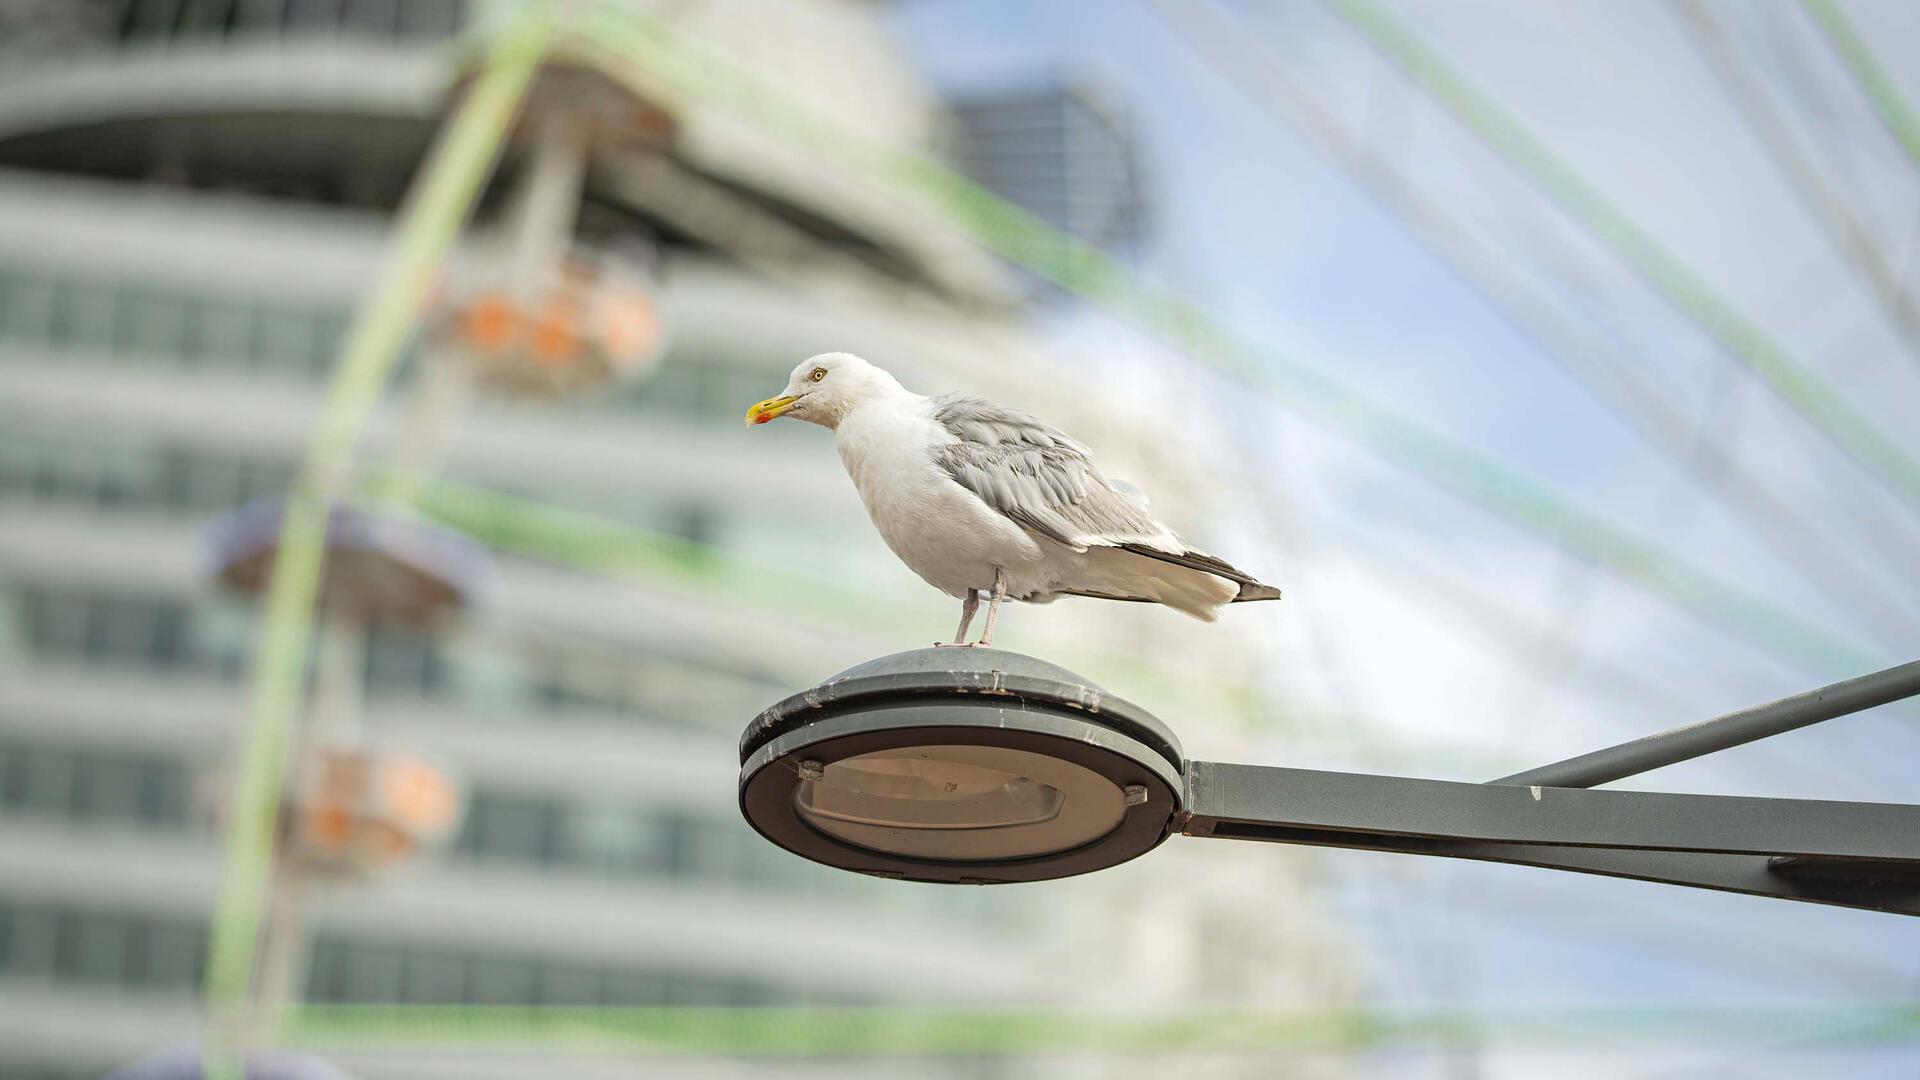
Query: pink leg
{"points": [[967, 607], [993, 605]]}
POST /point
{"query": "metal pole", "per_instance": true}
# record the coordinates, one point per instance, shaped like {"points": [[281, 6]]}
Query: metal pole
{"points": [[1720, 733], [339, 679], [549, 200], [283, 953], [333, 720]]}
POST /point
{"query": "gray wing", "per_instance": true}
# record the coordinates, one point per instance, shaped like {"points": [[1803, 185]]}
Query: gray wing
{"points": [[1041, 478], [1044, 480]]}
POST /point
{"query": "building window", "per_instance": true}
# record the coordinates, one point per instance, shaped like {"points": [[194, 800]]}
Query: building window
{"points": [[148, 951], [160, 952], [94, 784], [211, 637], [369, 971], [27, 314], [155, 323], [510, 827], [115, 786], [126, 476], [138, 22], [148, 632], [496, 980], [404, 661]]}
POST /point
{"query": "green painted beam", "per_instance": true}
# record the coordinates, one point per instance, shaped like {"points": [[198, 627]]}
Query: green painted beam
{"points": [[1795, 382], [437, 205], [1854, 52], [893, 1031]]}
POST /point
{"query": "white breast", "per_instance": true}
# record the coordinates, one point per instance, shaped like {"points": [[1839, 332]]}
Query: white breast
{"points": [[942, 531]]}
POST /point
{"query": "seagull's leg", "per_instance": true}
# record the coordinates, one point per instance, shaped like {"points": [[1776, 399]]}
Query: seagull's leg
{"points": [[993, 605], [967, 607]]}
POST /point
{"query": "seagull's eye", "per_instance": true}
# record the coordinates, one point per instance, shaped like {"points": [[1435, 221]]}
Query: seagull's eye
{"points": [[817, 374]]}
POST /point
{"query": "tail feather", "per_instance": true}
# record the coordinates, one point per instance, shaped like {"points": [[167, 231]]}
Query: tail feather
{"points": [[1112, 574], [1250, 587]]}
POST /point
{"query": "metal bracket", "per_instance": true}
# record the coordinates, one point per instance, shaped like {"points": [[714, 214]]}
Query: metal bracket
{"points": [[1863, 855]]}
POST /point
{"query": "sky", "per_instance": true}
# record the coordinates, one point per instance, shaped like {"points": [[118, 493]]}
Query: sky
{"points": [[1444, 641]]}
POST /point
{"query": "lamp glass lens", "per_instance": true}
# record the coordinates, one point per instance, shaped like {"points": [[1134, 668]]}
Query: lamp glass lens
{"points": [[960, 803]]}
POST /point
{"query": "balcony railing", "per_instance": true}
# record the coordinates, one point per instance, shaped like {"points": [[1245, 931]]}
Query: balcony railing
{"points": [[93, 24]]}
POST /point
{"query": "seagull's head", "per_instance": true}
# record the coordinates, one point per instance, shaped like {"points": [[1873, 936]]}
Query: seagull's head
{"points": [[825, 388]]}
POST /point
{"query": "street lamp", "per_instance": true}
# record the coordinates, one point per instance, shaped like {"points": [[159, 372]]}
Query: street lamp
{"points": [[960, 766], [976, 766]]}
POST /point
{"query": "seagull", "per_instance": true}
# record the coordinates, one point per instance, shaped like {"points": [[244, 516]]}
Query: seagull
{"points": [[976, 498]]}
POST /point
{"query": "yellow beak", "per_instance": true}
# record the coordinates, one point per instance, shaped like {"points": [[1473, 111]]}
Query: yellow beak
{"points": [[764, 411]]}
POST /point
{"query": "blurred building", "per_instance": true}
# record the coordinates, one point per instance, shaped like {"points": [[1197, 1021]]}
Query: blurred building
{"points": [[193, 195], [1059, 152]]}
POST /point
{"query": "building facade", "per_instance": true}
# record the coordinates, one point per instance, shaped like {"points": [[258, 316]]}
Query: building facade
{"points": [[192, 198]]}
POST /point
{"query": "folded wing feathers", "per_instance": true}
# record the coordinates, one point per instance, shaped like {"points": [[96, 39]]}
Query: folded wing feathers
{"points": [[1041, 478]]}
